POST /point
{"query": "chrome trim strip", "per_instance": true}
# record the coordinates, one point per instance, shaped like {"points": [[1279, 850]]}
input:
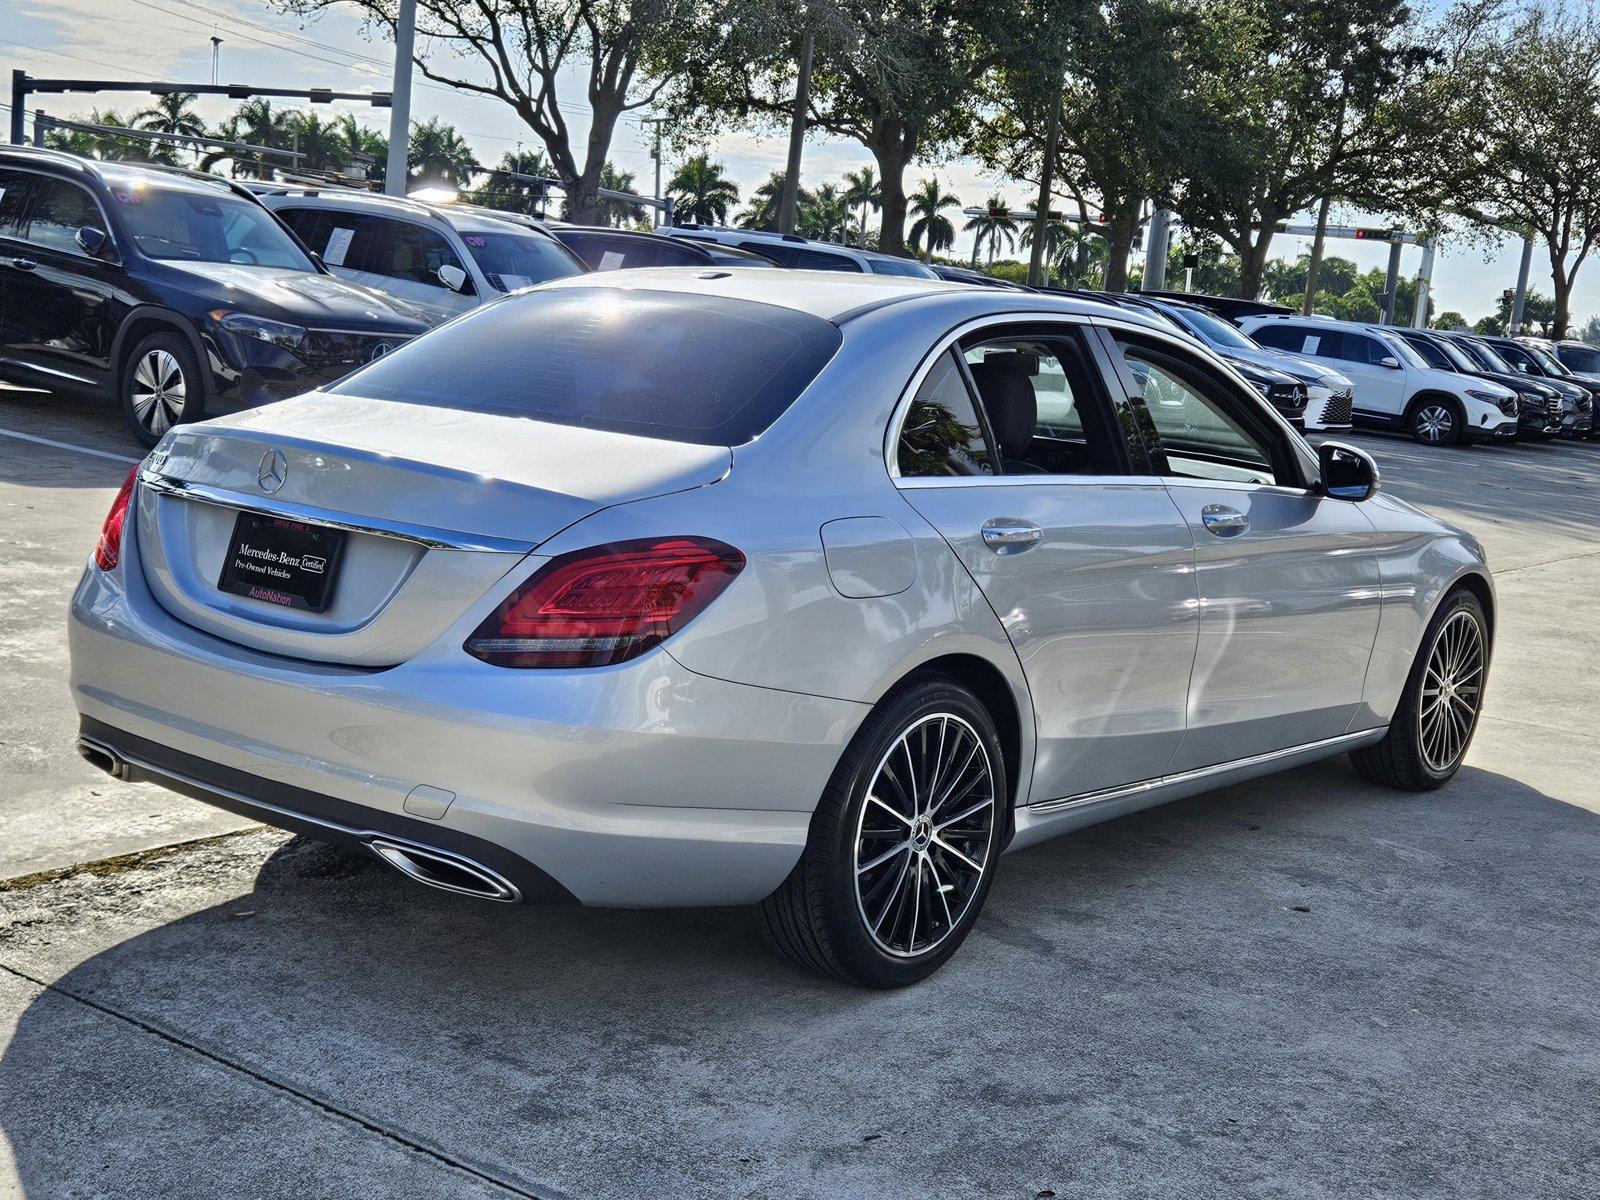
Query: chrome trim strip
{"points": [[1086, 799], [28, 366], [372, 837], [422, 535]]}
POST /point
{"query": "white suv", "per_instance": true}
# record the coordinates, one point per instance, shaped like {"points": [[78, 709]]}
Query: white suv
{"points": [[443, 260], [1395, 388], [802, 254]]}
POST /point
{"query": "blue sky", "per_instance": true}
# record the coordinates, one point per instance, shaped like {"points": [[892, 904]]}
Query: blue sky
{"points": [[97, 38]]}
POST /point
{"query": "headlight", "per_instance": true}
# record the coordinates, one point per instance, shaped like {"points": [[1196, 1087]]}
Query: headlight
{"points": [[278, 333], [1261, 386], [1494, 398]]}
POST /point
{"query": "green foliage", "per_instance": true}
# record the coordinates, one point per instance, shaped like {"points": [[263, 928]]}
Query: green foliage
{"points": [[1343, 289], [863, 192], [992, 228], [824, 215], [931, 230], [701, 191], [1448, 320], [438, 154]]}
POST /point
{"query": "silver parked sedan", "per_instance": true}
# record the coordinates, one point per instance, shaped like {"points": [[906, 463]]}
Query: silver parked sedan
{"points": [[710, 587]]}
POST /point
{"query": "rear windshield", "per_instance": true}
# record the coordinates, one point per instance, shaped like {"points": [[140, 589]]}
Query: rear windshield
{"points": [[665, 365]]}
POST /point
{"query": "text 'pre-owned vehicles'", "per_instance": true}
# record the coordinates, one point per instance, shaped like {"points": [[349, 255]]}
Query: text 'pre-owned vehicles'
{"points": [[807, 590], [443, 259], [176, 293], [1395, 388]]}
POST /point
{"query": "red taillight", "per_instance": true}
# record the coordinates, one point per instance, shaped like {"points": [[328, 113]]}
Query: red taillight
{"points": [[607, 604], [109, 548]]}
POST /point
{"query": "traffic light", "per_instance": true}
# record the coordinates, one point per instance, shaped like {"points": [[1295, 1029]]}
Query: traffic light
{"points": [[1508, 296], [1374, 235], [1191, 261]]}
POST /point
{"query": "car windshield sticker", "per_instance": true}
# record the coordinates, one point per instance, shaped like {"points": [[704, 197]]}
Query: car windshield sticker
{"points": [[1312, 342], [476, 240], [338, 247], [611, 260], [512, 282]]}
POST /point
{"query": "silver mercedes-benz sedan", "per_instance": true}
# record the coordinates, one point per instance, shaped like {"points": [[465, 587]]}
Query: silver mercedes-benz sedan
{"points": [[716, 587]]}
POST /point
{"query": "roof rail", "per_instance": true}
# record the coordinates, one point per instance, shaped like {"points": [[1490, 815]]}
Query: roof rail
{"points": [[65, 157], [232, 185]]}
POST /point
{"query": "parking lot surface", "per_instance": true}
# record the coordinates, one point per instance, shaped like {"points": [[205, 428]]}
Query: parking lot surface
{"points": [[1300, 987]]}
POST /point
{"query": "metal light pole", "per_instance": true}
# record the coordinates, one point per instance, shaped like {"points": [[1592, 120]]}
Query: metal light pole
{"points": [[789, 202], [655, 153], [1520, 301], [1155, 252], [1391, 281], [216, 48], [1419, 312], [405, 38]]}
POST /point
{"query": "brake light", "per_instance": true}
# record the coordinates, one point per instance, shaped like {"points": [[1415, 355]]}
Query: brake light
{"points": [[109, 548], [605, 605]]}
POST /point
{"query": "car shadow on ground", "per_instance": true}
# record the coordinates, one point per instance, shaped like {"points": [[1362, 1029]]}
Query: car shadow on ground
{"points": [[1304, 986]]}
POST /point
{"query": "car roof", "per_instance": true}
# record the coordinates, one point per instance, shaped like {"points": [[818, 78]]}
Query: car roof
{"points": [[837, 297], [115, 171]]}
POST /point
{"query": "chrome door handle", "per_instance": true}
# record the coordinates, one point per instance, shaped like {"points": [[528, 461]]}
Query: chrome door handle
{"points": [[1224, 521], [23, 264], [1009, 535]]}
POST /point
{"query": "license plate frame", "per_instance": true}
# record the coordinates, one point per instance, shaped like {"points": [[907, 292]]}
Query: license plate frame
{"points": [[284, 562]]}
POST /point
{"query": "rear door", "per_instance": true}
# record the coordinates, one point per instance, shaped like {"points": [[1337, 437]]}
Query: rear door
{"points": [[1287, 577], [1381, 389], [15, 188], [1087, 565], [62, 308]]}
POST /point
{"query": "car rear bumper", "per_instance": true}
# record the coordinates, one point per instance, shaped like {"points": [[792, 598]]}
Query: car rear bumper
{"points": [[637, 785]]}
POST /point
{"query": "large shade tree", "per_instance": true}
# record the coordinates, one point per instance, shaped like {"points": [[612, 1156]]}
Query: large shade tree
{"points": [[546, 59]]}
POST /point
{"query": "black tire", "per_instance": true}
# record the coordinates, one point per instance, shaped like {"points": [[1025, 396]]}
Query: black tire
{"points": [[1399, 760], [1437, 421], [151, 402], [816, 917]]}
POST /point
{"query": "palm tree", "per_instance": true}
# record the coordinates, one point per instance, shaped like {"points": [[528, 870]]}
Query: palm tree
{"points": [[931, 231], [97, 145], [701, 192], [863, 193], [358, 143], [256, 122], [321, 142], [824, 215], [438, 154], [1070, 252], [615, 212], [513, 195], [992, 227], [171, 113], [764, 201]]}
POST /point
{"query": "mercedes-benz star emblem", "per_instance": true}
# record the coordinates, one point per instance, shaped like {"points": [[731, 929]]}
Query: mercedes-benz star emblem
{"points": [[379, 351], [272, 471]]}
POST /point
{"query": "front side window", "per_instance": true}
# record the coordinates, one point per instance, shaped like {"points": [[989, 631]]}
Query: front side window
{"points": [[1214, 331], [413, 253], [942, 435], [1297, 339], [169, 224], [668, 365], [900, 266], [821, 260], [1431, 353], [1519, 358], [1200, 423], [1358, 348], [1575, 358], [60, 209]]}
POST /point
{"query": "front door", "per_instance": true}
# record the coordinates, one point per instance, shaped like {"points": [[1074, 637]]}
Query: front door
{"points": [[61, 304], [1287, 577], [1088, 566]]}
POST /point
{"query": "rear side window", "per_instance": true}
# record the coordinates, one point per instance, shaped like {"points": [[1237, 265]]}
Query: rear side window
{"points": [[821, 260], [14, 188], [666, 365], [605, 253], [60, 209], [941, 435], [1299, 340]]}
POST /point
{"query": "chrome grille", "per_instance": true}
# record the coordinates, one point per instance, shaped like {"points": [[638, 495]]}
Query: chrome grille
{"points": [[1337, 411], [332, 348], [1553, 405]]}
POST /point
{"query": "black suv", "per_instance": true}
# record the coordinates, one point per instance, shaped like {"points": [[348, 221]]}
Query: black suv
{"points": [[177, 293], [1539, 406]]}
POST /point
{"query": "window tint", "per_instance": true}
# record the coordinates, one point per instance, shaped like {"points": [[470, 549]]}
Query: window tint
{"points": [[1577, 358], [1431, 354], [1196, 419], [309, 224], [1519, 358], [941, 434], [519, 260], [414, 253], [657, 364], [899, 266], [821, 260], [350, 240], [1358, 348], [778, 253], [606, 253], [60, 209], [14, 189], [1297, 339], [1043, 406]]}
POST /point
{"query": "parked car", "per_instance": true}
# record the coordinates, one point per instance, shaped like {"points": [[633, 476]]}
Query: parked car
{"points": [[1229, 308], [1578, 357], [975, 278], [604, 248], [731, 597], [1395, 388], [1534, 363], [802, 254], [1328, 394], [175, 293], [1539, 406], [443, 259]]}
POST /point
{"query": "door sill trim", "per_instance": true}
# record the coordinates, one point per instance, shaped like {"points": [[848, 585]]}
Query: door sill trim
{"points": [[1161, 782]]}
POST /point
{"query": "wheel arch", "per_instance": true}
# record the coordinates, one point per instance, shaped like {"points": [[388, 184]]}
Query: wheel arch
{"points": [[1479, 585], [139, 324], [1436, 394]]}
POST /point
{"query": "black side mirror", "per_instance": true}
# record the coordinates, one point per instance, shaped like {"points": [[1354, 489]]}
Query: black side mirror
{"points": [[1346, 472], [91, 240]]}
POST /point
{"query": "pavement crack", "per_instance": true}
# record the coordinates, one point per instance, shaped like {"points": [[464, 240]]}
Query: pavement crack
{"points": [[278, 1085], [1547, 563]]}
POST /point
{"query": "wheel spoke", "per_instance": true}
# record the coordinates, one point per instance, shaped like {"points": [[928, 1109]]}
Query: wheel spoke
{"points": [[951, 850], [941, 826], [898, 816], [899, 848]]}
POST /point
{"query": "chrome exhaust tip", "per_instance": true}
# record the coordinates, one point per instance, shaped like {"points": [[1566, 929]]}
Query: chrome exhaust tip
{"points": [[446, 871], [107, 759]]}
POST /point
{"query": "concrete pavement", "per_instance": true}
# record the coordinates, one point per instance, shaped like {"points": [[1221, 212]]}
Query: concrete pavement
{"points": [[1302, 987]]}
